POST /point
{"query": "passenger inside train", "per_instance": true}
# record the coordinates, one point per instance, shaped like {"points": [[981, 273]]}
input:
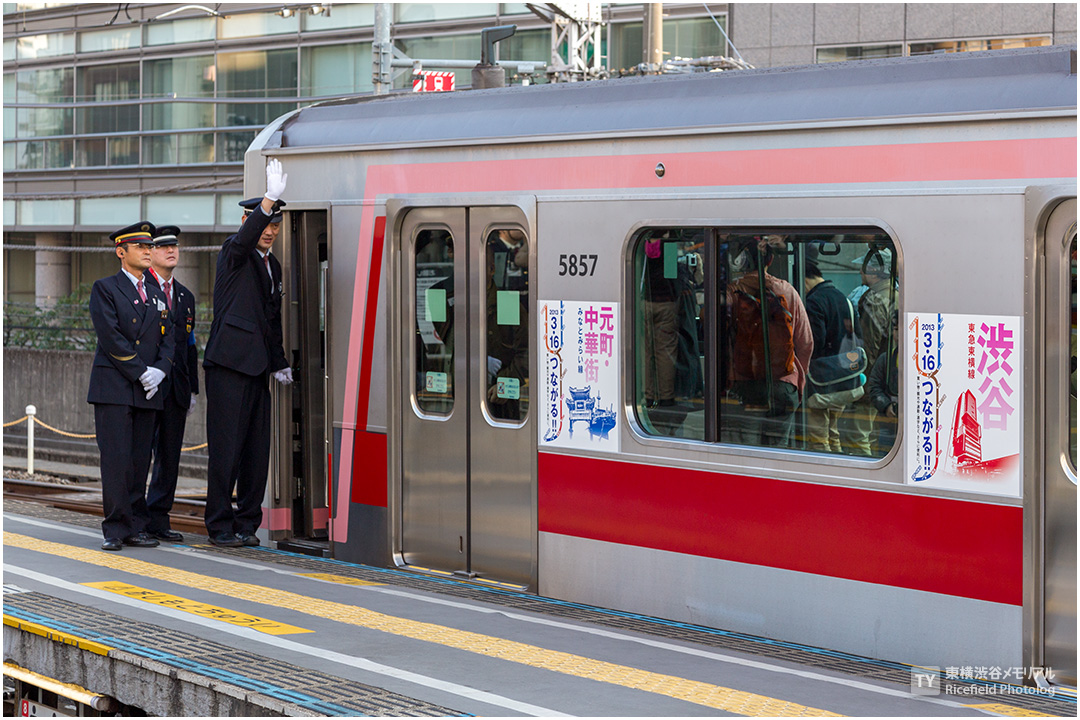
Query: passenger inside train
{"points": [[789, 373]]}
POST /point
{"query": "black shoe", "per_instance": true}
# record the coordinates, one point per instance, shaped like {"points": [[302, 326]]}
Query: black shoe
{"points": [[169, 535], [250, 540], [112, 544], [141, 540], [226, 540]]}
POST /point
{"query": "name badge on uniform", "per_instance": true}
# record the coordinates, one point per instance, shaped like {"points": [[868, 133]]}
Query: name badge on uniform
{"points": [[160, 305]]}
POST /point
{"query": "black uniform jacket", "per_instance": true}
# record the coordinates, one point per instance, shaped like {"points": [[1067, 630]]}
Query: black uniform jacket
{"points": [[245, 335], [183, 381], [131, 336]]}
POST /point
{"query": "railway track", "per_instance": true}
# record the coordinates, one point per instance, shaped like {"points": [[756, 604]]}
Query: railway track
{"points": [[186, 516]]}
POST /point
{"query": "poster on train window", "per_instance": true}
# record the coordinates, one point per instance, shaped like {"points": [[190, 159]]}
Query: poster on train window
{"points": [[578, 375], [965, 403]]}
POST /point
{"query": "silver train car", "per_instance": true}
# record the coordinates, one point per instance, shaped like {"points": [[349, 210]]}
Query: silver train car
{"points": [[555, 338]]}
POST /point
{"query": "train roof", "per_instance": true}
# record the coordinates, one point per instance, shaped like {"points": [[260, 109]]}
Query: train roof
{"points": [[1006, 81]]}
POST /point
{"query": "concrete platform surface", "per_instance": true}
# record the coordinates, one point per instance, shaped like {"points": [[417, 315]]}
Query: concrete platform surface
{"points": [[222, 630]]}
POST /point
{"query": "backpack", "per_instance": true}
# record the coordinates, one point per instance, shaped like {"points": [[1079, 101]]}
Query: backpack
{"points": [[749, 349]]}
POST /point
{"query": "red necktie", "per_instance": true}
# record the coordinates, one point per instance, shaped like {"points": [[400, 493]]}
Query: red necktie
{"points": [[266, 262], [168, 293], [142, 293]]}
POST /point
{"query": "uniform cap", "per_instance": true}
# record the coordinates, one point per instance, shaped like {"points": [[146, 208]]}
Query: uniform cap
{"points": [[253, 203], [140, 232], [166, 235]]}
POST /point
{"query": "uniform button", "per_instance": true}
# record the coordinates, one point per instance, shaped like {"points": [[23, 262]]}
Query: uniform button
{"points": [[134, 320], [136, 342]]}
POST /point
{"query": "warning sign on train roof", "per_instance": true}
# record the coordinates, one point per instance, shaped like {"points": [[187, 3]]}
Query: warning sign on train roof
{"points": [[432, 81]]}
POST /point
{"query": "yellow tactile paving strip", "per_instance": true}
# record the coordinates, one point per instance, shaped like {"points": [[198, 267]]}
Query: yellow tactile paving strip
{"points": [[1008, 710], [58, 636], [254, 622], [700, 693], [340, 579]]}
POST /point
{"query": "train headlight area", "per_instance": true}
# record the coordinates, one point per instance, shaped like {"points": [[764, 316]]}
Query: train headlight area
{"points": [[197, 630]]}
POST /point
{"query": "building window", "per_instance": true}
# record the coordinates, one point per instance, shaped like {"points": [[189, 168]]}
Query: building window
{"points": [[179, 32], [430, 12], [178, 149], [335, 70], [858, 52], [252, 75], [46, 212], [189, 77], [109, 40], [256, 24], [105, 84], [865, 52], [952, 46], [32, 47], [342, 15], [690, 37], [811, 367]]}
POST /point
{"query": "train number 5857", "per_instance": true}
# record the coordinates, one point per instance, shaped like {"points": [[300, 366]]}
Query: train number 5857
{"points": [[577, 265]]}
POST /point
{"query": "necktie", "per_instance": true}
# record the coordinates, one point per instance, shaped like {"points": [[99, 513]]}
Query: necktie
{"points": [[168, 293], [139, 287], [266, 262]]}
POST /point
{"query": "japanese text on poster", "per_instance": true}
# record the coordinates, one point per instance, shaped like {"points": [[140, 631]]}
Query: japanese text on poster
{"points": [[580, 378], [964, 418]]}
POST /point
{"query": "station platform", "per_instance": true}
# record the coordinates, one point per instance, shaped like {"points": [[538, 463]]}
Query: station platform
{"points": [[195, 630]]}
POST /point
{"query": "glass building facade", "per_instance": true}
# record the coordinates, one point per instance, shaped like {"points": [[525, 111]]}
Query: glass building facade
{"points": [[114, 113]]}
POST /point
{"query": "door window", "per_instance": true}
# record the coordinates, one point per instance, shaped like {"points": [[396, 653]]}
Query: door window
{"points": [[506, 256], [433, 274]]}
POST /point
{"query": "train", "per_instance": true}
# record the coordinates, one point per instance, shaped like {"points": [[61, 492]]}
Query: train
{"points": [[553, 339]]}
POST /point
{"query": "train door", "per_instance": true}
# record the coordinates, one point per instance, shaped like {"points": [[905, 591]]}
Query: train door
{"points": [[468, 443], [300, 469], [1059, 453]]}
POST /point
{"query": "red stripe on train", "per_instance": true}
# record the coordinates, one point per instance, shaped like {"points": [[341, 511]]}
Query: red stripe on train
{"points": [[901, 163], [369, 449], [966, 549]]}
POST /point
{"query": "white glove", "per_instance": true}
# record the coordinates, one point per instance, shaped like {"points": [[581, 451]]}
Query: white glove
{"points": [[151, 378], [191, 408], [284, 376], [152, 392], [275, 180], [494, 365]]}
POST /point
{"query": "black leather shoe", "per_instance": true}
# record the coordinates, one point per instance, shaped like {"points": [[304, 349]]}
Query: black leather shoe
{"points": [[169, 535], [226, 540], [250, 540], [112, 544], [140, 540]]}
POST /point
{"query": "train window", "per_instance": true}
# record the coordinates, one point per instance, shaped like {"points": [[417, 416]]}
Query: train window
{"points": [[668, 333], [506, 255], [811, 367], [1072, 364], [434, 345]]}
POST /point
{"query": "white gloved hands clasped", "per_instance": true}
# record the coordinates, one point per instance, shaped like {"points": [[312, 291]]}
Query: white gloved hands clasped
{"points": [[275, 180], [151, 379], [284, 376]]}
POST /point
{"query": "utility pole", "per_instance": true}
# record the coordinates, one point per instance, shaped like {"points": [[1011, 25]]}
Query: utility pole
{"points": [[382, 49], [652, 37]]}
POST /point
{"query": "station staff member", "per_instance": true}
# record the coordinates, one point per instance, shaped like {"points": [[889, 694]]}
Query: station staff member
{"points": [[180, 387], [134, 354], [243, 350]]}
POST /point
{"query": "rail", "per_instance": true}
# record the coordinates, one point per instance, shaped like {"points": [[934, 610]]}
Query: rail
{"points": [[31, 414]]}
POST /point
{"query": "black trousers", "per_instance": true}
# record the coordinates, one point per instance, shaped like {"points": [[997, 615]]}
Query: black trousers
{"points": [[124, 436], [238, 443], [168, 438]]}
